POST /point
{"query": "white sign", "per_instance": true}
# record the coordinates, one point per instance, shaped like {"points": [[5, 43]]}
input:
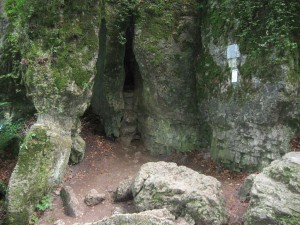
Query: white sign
{"points": [[233, 51], [234, 75]]}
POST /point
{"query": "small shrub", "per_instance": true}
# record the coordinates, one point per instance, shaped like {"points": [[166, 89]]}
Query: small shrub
{"points": [[33, 219], [44, 204]]}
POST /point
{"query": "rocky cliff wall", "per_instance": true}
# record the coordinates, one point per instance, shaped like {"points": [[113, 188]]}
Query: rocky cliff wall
{"points": [[107, 101], [165, 45], [187, 54], [253, 115], [226, 68], [59, 53]]}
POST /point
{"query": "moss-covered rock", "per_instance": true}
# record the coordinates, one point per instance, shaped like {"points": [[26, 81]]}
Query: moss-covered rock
{"points": [[29, 181], [166, 34], [253, 120], [59, 48], [107, 101], [275, 193]]}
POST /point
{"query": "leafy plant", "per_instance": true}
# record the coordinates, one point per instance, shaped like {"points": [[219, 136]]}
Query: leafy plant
{"points": [[44, 204], [33, 219]]}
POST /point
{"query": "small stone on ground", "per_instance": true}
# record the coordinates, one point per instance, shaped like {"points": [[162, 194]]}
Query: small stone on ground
{"points": [[71, 204], [94, 198]]}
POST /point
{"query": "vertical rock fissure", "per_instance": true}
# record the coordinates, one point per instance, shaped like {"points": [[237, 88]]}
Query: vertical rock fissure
{"points": [[129, 126], [129, 58]]}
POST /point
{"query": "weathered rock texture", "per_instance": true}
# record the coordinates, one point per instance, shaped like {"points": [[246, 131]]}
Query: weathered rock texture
{"points": [[253, 120], [59, 55], [124, 190], [183, 97], [181, 190], [165, 44], [94, 198], [72, 206], [78, 144], [14, 105], [151, 217], [275, 194], [245, 189], [107, 99]]}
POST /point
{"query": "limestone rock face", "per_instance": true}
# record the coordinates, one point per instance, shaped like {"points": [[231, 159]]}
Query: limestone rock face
{"points": [[14, 105], [253, 119], [251, 134], [164, 46], [107, 101], [59, 57], [275, 194], [181, 190], [151, 217]]}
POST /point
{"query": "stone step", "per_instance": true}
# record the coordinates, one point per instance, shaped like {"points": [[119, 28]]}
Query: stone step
{"points": [[126, 139], [129, 129], [130, 117]]}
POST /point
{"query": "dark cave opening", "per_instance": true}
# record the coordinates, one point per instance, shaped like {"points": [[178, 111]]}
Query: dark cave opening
{"points": [[129, 59]]}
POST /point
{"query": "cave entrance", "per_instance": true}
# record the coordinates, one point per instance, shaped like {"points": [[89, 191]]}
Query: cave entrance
{"points": [[129, 59], [129, 126]]}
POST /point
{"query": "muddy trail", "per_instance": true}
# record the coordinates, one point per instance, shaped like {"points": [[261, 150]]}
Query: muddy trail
{"points": [[106, 163]]}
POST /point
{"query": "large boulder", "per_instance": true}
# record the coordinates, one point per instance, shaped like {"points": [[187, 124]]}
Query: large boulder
{"points": [[275, 194], [59, 49], [151, 217], [181, 190]]}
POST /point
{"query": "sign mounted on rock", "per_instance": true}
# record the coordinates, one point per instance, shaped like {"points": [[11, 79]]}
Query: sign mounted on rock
{"points": [[233, 54]]}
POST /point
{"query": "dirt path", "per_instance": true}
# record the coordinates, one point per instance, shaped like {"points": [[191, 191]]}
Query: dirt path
{"points": [[107, 163]]}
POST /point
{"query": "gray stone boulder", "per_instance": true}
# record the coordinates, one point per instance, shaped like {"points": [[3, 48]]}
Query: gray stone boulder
{"points": [[181, 190], [71, 204], [245, 189], [152, 217], [124, 190], [94, 198], [77, 150], [275, 194]]}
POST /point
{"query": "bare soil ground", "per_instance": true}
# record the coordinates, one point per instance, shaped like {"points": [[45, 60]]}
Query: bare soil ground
{"points": [[106, 163]]}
